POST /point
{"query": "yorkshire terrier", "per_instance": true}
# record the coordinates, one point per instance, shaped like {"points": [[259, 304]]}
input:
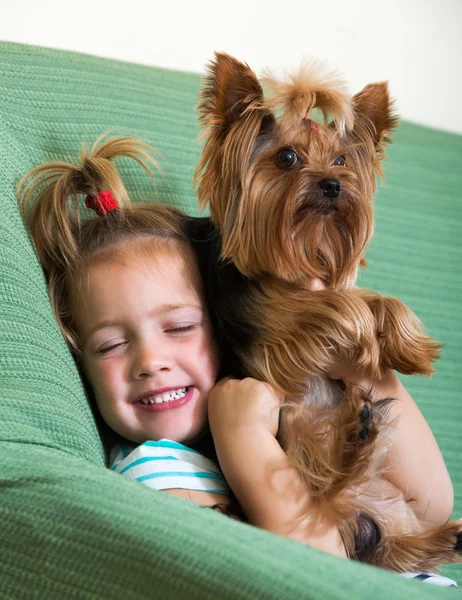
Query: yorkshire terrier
{"points": [[290, 199]]}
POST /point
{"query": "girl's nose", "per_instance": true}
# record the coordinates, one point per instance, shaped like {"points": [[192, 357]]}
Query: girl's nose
{"points": [[149, 360]]}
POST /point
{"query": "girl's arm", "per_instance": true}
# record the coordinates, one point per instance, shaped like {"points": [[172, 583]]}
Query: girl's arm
{"points": [[243, 418], [198, 497], [414, 463]]}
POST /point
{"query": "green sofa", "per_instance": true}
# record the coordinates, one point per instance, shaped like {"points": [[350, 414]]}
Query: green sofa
{"points": [[70, 528]]}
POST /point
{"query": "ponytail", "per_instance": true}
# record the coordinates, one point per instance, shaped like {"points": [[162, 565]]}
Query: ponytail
{"points": [[48, 196], [65, 242]]}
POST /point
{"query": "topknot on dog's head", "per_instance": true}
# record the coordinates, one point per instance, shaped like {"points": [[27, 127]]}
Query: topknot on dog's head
{"points": [[312, 86]]}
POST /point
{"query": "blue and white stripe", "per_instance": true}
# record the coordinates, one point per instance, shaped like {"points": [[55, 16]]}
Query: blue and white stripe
{"points": [[164, 465], [431, 578]]}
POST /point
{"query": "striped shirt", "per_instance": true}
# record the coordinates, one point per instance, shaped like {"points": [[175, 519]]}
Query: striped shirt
{"points": [[431, 578], [164, 465]]}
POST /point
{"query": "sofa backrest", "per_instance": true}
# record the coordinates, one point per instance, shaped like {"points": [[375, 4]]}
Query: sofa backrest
{"points": [[50, 101]]}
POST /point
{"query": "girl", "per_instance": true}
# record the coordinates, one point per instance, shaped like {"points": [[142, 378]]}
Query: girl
{"points": [[127, 295]]}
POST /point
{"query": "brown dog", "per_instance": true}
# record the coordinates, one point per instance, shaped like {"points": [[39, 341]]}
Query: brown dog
{"points": [[291, 199]]}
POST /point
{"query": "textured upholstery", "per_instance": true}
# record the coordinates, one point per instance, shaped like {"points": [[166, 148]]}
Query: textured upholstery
{"points": [[70, 528]]}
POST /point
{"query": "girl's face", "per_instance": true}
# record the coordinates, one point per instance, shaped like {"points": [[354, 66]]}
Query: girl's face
{"points": [[147, 345]]}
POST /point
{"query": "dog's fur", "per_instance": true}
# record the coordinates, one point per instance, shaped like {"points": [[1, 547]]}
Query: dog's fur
{"points": [[291, 199]]}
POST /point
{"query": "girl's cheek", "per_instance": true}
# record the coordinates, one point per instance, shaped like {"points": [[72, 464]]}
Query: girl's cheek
{"points": [[105, 372], [109, 372], [212, 355]]}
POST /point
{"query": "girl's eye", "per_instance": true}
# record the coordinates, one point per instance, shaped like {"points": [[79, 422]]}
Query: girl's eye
{"points": [[107, 349], [286, 158], [181, 329], [340, 161]]}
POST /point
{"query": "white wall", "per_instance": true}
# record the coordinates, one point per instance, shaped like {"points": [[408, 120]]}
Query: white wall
{"points": [[415, 44]]}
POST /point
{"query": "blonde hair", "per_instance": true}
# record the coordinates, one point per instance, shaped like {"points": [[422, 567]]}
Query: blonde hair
{"points": [[65, 242]]}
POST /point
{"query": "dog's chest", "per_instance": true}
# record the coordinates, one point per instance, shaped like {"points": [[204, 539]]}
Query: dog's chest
{"points": [[323, 393]]}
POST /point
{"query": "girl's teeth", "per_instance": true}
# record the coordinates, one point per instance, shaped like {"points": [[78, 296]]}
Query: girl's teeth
{"points": [[167, 397]]}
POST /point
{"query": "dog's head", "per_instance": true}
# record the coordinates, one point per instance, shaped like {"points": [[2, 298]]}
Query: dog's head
{"points": [[291, 194]]}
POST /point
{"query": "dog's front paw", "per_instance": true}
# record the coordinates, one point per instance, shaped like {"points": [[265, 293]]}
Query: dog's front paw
{"points": [[403, 345]]}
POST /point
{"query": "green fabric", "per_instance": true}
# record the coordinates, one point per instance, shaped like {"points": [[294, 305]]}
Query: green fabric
{"points": [[416, 255], [69, 527]]}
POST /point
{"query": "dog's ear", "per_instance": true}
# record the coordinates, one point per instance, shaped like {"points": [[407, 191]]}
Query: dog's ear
{"points": [[374, 110], [230, 89]]}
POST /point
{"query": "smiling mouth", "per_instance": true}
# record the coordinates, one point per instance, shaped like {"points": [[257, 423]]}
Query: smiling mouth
{"points": [[165, 397], [165, 401]]}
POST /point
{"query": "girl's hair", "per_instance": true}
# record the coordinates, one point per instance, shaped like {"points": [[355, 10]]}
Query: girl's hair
{"points": [[65, 242]]}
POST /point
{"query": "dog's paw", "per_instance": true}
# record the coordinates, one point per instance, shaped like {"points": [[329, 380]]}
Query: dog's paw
{"points": [[404, 347], [357, 416], [366, 421]]}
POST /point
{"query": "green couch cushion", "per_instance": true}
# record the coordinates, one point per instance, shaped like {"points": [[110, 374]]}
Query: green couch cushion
{"points": [[71, 528]]}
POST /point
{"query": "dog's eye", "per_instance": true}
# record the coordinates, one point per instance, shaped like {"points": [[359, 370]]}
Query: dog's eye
{"points": [[339, 161], [286, 158]]}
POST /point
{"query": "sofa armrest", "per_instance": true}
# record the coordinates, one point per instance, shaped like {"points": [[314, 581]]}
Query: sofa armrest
{"points": [[72, 529]]}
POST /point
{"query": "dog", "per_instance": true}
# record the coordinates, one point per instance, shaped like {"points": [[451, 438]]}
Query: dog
{"points": [[290, 199]]}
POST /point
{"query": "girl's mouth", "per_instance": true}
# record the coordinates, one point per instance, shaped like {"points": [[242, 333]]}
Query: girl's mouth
{"points": [[165, 401]]}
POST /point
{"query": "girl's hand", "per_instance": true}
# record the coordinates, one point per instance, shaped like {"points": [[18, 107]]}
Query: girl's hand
{"points": [[246, 403]]}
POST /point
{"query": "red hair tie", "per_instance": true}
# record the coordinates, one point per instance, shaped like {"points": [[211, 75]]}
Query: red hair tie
{"points": [[103, 203]]}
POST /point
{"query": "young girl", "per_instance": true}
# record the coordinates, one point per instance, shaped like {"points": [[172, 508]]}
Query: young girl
{"points": [[127, 295]]}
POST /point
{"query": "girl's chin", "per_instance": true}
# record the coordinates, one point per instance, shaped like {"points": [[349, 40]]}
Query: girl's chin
{"points": [[193, 439], [189, 436], [186, 425]]}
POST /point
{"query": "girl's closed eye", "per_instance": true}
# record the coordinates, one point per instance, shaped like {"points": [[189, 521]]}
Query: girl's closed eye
{"points": [[112, 345], [180, 328]]}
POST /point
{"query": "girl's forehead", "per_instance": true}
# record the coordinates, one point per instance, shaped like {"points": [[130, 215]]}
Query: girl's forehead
{"points": [[167, 267], [162, 270], [126, 291], [143, 254]]}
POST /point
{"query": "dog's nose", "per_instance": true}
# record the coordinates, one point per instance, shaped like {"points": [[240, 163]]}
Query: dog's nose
{"points": [[331, 187]]}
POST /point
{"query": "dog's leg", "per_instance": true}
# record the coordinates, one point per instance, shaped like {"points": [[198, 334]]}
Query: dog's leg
{"points": [[403, 344], [333, 448], [306, 334], [355, 425]]}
